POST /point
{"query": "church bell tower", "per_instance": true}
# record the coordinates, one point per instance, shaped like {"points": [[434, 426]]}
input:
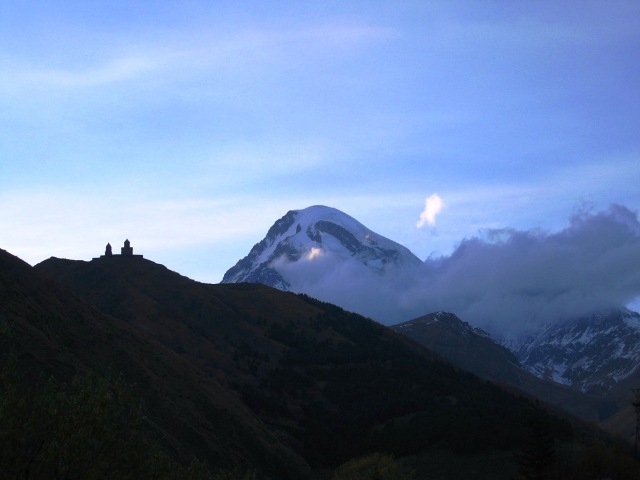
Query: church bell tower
{"points": [[127, 249]]}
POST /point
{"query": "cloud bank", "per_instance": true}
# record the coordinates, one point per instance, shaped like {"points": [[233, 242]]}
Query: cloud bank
{"points": [[507, 282]]}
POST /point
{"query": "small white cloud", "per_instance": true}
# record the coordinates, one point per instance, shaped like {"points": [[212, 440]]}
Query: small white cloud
{"points": [[433, 206]]}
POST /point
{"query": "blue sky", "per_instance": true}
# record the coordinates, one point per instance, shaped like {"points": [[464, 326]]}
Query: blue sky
{"points": [[190, 127]]}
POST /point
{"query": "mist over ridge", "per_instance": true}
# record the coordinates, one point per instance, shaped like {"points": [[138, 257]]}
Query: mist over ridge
{"points": [[508, 282]]}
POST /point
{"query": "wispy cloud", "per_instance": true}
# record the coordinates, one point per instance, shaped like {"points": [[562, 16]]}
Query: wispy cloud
{"points": [[248, 47], [113, 71], [113, 68]]}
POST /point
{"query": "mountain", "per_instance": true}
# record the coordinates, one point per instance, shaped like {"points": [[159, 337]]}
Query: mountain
{"points": [[592, 353], [329, 255], [317, 234], [469, 347], [475, 350], [302, 384], [53, 332], [249, 376]]}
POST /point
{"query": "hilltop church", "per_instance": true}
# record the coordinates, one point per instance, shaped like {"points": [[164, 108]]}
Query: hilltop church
{"points": [[125, 251]]}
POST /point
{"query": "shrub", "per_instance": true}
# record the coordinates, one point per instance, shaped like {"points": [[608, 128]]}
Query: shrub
{"points": [[376, 466]]}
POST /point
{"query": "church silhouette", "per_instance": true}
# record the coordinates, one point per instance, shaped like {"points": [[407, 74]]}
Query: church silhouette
{"points": [[125, 251]]}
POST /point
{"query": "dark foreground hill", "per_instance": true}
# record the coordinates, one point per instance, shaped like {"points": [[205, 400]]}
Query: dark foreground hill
{"points": [[53, 332], [247, 375]]}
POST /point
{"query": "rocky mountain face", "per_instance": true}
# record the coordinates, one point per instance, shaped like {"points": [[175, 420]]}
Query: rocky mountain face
{"points": [[312, 234], [591, 354]]}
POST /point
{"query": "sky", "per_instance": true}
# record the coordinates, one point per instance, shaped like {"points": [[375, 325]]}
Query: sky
{"points": [[191, 127]]}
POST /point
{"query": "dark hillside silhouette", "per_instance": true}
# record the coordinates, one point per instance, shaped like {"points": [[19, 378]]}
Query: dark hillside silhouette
{"points": [[245, 375], [53, 332], [332, 384]]}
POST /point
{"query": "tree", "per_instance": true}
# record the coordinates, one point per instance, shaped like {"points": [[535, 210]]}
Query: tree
{"points": [[537, 455], [92, 428], [602, 461]]}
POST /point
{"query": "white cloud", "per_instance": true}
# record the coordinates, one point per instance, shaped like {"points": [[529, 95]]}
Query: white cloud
{"points": [[433, 206]]}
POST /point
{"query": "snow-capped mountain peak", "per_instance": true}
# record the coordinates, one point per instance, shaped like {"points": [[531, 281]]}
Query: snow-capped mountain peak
{"points": [[311, 234]]}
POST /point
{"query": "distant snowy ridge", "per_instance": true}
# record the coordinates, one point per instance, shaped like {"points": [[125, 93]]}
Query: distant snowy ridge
{"points": [[592, 353], [309, 234]]}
